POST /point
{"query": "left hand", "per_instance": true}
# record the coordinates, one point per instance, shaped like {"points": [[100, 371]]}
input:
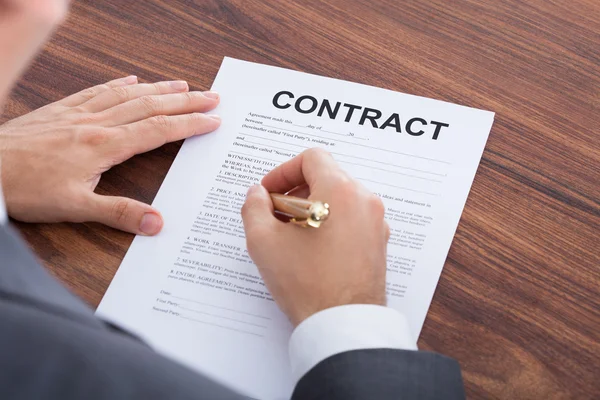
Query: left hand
{"points": [[52, 158]]}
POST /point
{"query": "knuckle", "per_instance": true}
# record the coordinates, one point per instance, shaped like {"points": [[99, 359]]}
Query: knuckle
{"points": [[78, 110], [345, 192], [343, 185], [196, 117], [93, 137], [376, 206], [157, 88], [81, 115], [120, 211], [92, 92], [152, 104], [161, 122], [88, 93], [121, 93], [189, 98]]}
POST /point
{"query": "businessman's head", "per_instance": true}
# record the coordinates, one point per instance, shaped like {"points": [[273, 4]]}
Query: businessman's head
{"points": [[25, 25]]}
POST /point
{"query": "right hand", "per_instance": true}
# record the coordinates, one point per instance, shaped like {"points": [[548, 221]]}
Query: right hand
{"points": [[308, 270]]}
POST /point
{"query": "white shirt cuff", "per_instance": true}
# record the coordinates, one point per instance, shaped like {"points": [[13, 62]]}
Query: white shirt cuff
{"points": [[3, 216], [345, 328]]}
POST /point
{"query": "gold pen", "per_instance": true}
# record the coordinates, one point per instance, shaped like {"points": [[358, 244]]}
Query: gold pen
{"points": [[301, 211]]}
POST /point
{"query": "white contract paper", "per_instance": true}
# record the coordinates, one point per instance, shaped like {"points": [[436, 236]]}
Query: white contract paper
{"points": [[192, 291]]}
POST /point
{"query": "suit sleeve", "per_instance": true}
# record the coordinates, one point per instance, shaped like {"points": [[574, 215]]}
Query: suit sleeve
{"points": [[345, 328], [52, 346], [382, 374], [52, 357]]}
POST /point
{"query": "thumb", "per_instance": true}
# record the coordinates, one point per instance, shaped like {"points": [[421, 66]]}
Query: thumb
{"points": [[257, 212], [125, 214]]}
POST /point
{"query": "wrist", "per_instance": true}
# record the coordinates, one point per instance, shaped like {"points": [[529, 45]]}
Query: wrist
{"points": [[301, 315]]}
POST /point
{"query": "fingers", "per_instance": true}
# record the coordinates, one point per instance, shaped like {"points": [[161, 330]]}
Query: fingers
{"points": [[300, 191], [151, 133], [125, 214], [87, 94], [309, 167], [386, 231], [166, 104], [122, 94], [257, 214]]}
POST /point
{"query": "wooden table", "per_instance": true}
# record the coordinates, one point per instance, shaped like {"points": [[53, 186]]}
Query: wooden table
{"points": [[518, 303]]}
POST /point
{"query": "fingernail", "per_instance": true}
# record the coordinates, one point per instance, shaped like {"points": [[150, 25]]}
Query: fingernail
{"points": [[151, 224], [215, 117], [179, 85], [130, 80], [211, 95]]}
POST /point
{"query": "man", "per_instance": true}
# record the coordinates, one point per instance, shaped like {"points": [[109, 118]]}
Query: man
{"points": [[330, 282]]}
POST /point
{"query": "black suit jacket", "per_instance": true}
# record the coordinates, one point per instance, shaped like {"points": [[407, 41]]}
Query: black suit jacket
{"points": [[53, 347]]}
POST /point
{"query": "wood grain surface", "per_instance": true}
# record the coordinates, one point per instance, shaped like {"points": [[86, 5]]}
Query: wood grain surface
{"points": [[518, 303]]}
